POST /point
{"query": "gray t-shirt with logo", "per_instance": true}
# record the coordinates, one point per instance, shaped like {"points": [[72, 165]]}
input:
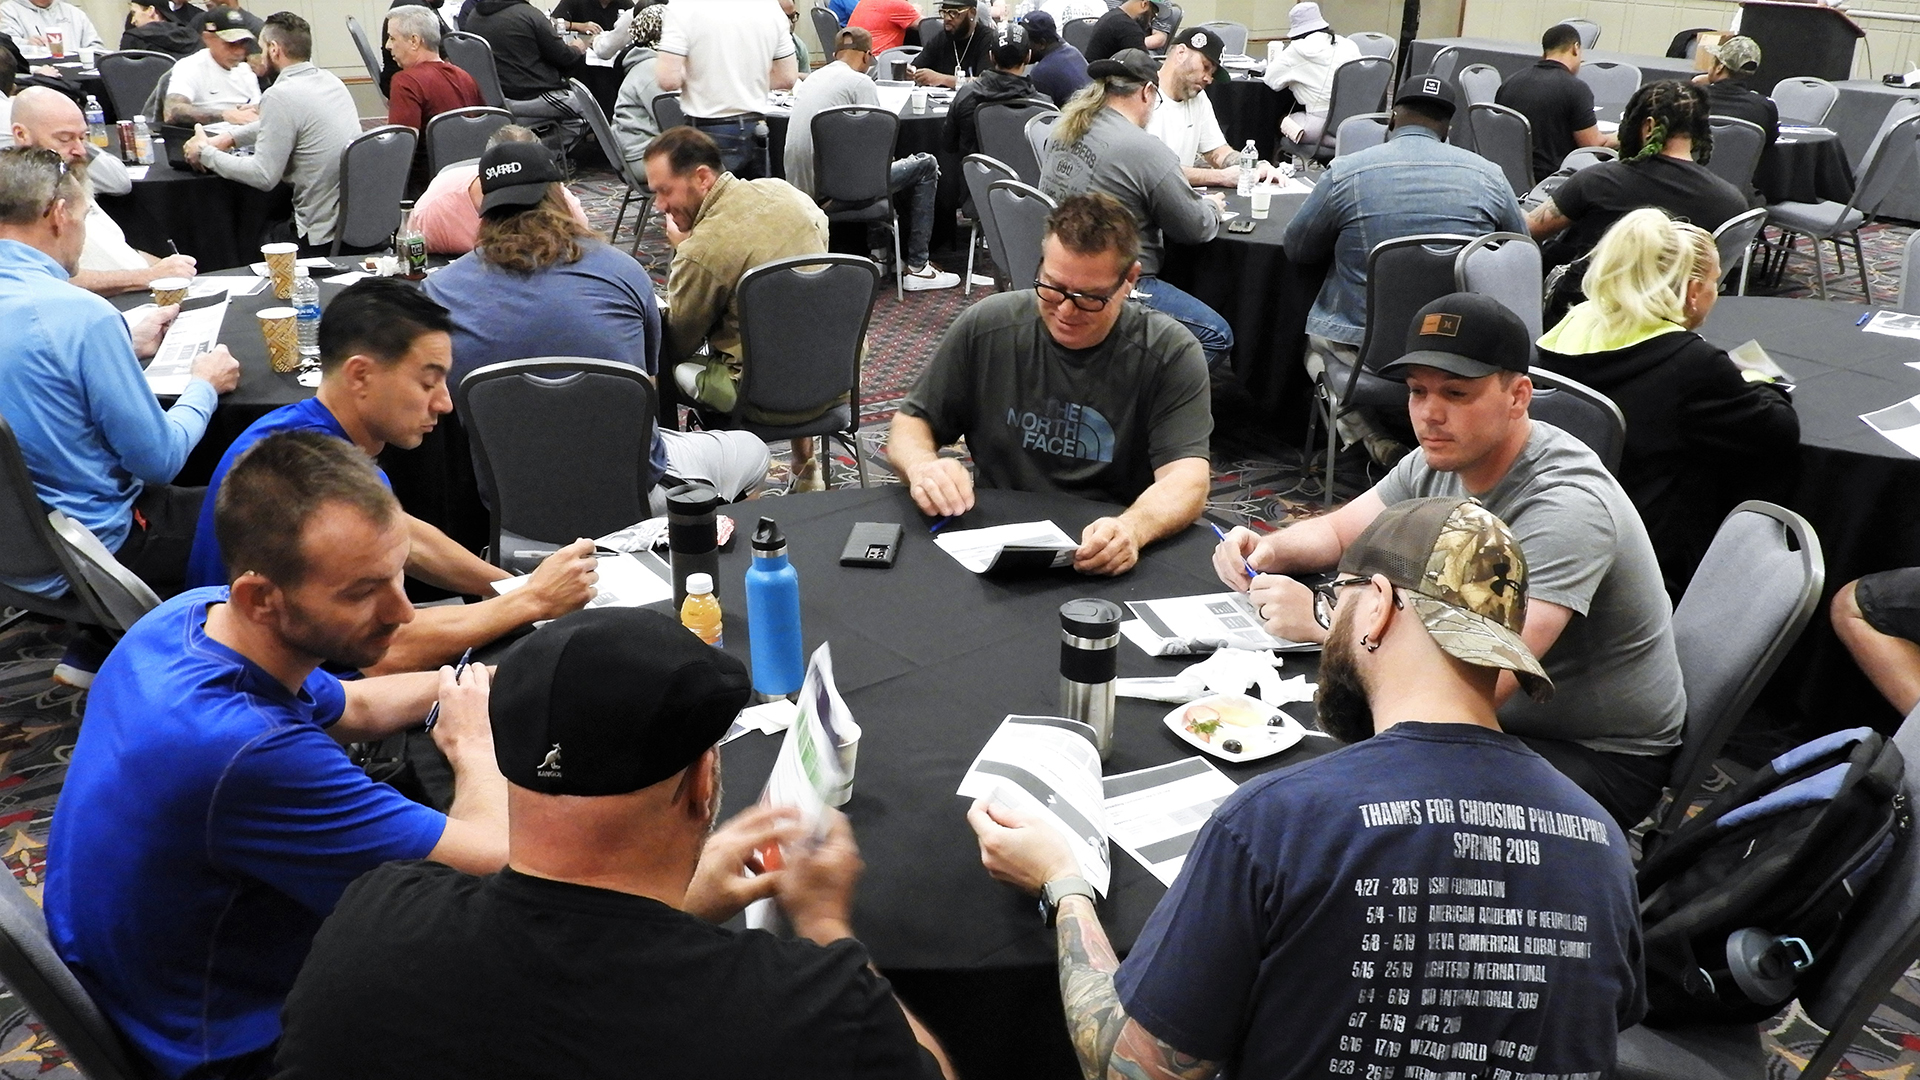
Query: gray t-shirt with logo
{"points": [[1615, 673], [1092, 422], [1118, 157]]}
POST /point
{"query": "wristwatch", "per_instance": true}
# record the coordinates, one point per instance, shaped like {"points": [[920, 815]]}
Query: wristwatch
{"points": [[1059, 889]]}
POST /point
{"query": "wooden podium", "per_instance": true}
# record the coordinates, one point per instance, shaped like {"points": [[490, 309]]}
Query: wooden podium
{"points": [[1798, 39]]}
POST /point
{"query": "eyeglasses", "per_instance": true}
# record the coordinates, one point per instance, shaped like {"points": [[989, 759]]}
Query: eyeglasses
{"points": [[1085, 301], [1326, 596]]}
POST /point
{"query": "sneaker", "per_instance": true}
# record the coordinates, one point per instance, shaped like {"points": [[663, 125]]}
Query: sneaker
{"points": [[811, 476], [981, 281], [930, 277], [82, 660]]}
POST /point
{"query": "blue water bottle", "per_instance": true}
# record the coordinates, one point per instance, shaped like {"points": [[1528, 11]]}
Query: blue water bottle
{"points": [[773, 614]]}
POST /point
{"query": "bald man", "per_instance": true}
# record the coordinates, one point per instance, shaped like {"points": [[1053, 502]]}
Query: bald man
{"points": [[49, 120]]}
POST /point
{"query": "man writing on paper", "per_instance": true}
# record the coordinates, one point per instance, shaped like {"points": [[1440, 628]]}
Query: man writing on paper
{"points": [[1336, 918], [1068, 389]]}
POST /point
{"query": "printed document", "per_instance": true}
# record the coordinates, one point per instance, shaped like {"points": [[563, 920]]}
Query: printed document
{"points": [[1899, 423], [1894, 324], [1182, 625], [624, 582], [194, 331], [1024, 547], [1155, 814], [1048, 765]]}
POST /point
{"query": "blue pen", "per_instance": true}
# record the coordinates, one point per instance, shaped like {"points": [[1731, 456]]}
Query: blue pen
{"points": [[938, 525], [433, 714], [1217, 531], [1864, 318]]}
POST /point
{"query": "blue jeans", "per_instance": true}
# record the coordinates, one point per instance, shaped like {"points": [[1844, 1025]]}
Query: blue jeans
{"points": [[742, 142], [1215, 336], [918, 176]]}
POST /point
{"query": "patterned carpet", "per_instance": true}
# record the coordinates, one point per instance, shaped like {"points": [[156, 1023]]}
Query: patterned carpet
{"points": [[1254, 482]]}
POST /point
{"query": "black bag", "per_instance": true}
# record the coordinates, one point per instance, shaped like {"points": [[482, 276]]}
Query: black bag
{"points": [[1745, 899]]}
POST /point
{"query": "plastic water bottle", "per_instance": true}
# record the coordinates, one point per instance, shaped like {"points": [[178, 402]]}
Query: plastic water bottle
{"points": [[142, 141], [96, 123], [700, 612], [1249, 166], [306, 306], [773, 614]]}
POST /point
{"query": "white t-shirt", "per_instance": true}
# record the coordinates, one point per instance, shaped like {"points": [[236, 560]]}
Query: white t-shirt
{"points": [[207, 85], [730, 47], [1188, 127], [107, 247]]}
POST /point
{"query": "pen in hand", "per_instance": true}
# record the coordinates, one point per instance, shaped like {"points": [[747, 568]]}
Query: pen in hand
{"points": [[433, 714], [1217, 531]]}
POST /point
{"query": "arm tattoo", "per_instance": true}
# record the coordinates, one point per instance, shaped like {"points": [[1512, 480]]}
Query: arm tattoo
{"points": [[1104, 1039]]}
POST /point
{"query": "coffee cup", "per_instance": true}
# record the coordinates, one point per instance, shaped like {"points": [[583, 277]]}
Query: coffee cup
{"points": [[169, 290], [280, 261], [87, 55], [1262, 200], [280, 326]]}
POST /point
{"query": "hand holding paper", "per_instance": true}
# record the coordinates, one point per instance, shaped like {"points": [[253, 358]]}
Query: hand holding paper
{"points": [[730, 876], [1018, 847]]}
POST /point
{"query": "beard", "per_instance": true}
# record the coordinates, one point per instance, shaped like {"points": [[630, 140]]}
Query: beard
{"points": [[1341, 703], [357, 650]]}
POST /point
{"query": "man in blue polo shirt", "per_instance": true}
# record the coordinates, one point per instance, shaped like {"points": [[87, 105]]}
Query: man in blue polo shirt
{"points": [[385, 350], [210, 818]]}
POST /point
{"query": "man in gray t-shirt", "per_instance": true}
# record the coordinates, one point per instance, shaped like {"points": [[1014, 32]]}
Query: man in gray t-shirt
{"points": [[1068, 388], [1598, 615]]}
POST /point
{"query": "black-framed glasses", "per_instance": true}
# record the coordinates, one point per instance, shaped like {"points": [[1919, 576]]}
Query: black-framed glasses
{"points": [[1085, 301], [1326, 596]]}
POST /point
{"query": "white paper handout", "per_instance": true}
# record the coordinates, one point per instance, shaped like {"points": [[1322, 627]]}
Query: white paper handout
{"points": [[1183, 625], [1048, 765], [624, 582], [1894, 324], [1899, 423], [230, 284], [194, 331], [1155, 814], [1027, 545], [1751, 357], [814, 769]]}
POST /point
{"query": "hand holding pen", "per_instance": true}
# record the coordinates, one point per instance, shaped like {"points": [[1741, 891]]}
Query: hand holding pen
{"points": [[1227, 554], [433, 714]]}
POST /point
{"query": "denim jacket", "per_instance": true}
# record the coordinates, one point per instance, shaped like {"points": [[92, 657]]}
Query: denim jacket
{"points": [[1413, 184]]}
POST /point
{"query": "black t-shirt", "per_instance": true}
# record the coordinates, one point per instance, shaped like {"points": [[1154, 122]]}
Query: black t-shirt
{"points": [[1116, 30], [973, 52], [585, 11], [1556, 103], [1731, 97], [1596, 197], [425, 971]]}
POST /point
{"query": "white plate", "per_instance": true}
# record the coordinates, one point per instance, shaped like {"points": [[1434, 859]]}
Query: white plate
{"points": [[1256, 736]]}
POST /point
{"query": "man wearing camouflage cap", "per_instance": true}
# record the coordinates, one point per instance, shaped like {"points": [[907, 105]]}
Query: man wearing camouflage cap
{"points": [[1600, 619], [1734, 61], [1420, 895]]}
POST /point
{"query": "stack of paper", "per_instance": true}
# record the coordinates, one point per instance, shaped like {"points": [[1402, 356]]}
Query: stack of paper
{"points": [[1181, 625], [1023, 547], [1048, 765]]}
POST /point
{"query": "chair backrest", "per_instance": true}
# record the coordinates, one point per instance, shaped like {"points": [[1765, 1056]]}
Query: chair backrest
{"points": [[130, 78], [1889, 167], [44, 984], [1902, 107], [929, 26], [1233, 37], [900, 56], [1359, 132], [38, 543], [853, 153], [1039, 128], [1020, 215], [1505, 266], [803, 320], [473, 54], [1612, 82], [1735, 235], [1910, 289], [1374, 43], [459, 134], [667, 111], [1753, 593], [589, 108], [826, 27], [1804, 99], [1445, 63], [1737, 145], [1173, 15], [980, 171], [1582, 412], [373, 180], [369, 55], [1359, 86], [1002, 127], [1479, 83], [1504, 137], [1079, 32], [1882, 941], [1588, 29], [1404, 275], [1687, 42], [533, 422], [1585, 157]]}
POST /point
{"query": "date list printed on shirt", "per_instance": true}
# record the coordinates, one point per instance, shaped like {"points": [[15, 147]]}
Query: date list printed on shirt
{"points": [[1436, 952]]}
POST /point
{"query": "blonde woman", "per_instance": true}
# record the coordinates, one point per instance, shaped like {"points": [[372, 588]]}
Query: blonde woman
{"points": [[1701, 434]]}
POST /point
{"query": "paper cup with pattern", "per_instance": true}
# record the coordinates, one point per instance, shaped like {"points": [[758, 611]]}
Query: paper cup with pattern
{"points": [[280, 259], [169, 290], [280, 326]]}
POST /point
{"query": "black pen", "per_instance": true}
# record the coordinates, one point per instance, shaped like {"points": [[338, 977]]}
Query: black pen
{"points": [[433, 714]]}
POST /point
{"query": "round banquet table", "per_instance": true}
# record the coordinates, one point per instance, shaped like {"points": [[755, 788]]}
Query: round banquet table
{"points": [[213, 219], [1854, 486], [1265, 296], [1248, 109], [1806, 164]]}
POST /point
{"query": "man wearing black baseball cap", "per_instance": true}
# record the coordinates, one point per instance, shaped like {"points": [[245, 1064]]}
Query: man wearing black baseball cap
{"points": [[598, 944], [1183, 118], [1598, 614], [1125, 26]]}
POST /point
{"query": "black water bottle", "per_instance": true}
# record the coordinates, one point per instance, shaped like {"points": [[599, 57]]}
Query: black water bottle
{"points": [[1089, 662], [693, 540]]}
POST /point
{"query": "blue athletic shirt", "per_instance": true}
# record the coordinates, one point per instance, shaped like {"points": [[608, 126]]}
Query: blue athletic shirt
{"points": [[205, 567], [1434, 902], [207, 825]]}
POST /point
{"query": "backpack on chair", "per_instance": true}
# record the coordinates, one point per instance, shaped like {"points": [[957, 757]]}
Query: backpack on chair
{"points": [[1743, 900]]}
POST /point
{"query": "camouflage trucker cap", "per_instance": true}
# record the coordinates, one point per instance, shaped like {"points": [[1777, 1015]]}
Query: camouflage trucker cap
{"points": [[1464, 575]]}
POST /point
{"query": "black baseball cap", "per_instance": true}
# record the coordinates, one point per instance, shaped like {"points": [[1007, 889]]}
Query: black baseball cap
{"points": [[610, 700], [1126, 64], [1041, 27], [944, 4], [516, 175], [1429, 90], [231, 27], [1205, 42], [1013, 47], [1465, 334]]}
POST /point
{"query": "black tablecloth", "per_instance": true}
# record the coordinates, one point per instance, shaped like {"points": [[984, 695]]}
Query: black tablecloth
{"points": [[1805, 165], [211, 218], [1249, 109], [1265, 297], [1855, 487]]}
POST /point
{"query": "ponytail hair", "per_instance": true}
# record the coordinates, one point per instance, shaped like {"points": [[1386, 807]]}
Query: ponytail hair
{"points": [[1077, 115], [1640, 270]]}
